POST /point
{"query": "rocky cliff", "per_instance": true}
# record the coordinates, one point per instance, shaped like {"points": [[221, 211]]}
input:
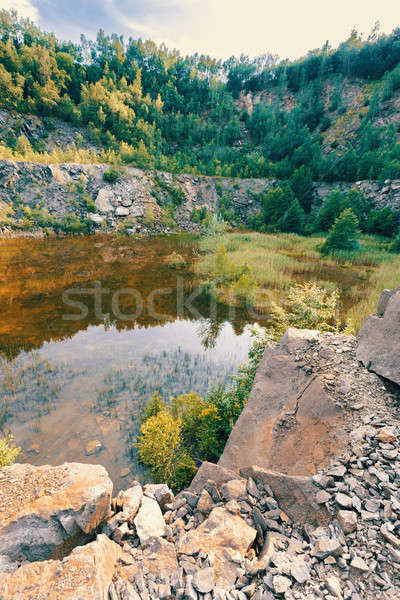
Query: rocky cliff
{"points": [[305, 502], [136, 201]]}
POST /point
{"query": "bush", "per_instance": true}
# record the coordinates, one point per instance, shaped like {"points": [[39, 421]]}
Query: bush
{"points": [[111, 176], [175, 260], [343, 234], [149, 217], [8, 451], [395, 245], [383, 222], [159, 444], [306, 306]]}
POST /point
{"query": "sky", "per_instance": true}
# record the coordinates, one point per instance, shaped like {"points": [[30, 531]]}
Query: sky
{"points": [[219, 28]]}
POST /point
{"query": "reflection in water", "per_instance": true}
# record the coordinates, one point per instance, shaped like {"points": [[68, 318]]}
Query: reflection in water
{"points": [[66, 382]]}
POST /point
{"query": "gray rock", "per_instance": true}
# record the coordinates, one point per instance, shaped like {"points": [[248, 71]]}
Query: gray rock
{"points": [[203, 580], [347, 520], [379, 338], [334, 586], [42, 508], [149, 521], [122, 211]]}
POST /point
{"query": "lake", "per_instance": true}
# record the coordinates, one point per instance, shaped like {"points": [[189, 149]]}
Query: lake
{"points": [[90, 328]]}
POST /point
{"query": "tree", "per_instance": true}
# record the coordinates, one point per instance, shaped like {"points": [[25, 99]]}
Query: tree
{"points": [[293, 219], [343, 234], [275, 203], [330, 210], [383, 222], [303, 187]]}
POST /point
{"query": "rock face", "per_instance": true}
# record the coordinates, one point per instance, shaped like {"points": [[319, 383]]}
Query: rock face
{"points": [[291, 422], [43, 508], [125, 202], [86, 574], [379, 338]]}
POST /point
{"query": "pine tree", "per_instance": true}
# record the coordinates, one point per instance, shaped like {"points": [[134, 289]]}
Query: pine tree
{"points": [[293, 219], [303, 187], [343, 234]]}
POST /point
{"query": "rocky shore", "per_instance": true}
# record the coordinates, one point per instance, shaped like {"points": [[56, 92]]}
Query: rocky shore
{"points": [[304, 505]]}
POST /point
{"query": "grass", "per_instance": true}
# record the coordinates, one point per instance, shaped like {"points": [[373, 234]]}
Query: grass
{"points": [[275, 262]]}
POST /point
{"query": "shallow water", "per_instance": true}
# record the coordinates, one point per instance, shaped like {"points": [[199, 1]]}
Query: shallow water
{"points": [[70, 375]]}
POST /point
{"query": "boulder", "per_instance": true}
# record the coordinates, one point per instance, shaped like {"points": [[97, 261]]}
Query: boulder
{"points": [[227, 536], [209, 471], [149, 521], [161, 492], [86, 574], [296, 496], [43, 508], [130, 500], [103, 200], [290, 423], [379, 338]]}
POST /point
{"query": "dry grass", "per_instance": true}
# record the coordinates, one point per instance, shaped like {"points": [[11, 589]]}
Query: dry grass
{"points": [[277, 261]]}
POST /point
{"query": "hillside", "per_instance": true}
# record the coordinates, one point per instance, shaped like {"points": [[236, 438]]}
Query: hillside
{"points": [[333, 114]]}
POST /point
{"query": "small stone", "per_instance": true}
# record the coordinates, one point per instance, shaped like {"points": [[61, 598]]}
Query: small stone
{"points": [[205, 503], [333, 586], [322, 497], [234, 489], [372, 505], [299, 570], [337, 472], [93, 447], [281, 584], [124, 473], [359, 564], [203, 580], [387, 435], [343, 500], [347, 520]]}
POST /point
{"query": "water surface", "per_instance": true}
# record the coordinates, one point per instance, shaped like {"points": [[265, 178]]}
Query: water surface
{"points": [[71, 375]]}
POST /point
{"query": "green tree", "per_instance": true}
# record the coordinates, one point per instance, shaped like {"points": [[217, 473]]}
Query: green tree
{"points": [[383, 222], [293, 219], [343, 234], [330, 210], [275, 204], [303, 187]]}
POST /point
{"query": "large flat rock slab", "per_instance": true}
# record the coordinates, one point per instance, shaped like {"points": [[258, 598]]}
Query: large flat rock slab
{"points": [[379, 338], [85, 575], [45, 511], [291, 423]]}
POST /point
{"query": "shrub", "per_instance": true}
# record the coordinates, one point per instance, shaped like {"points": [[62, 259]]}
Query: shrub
{"points": [[383, 222], [159, 444], [175, 260], [149, 218], [112, 175], [8, 451], [306, 306], [343, 234], [395, 245]]}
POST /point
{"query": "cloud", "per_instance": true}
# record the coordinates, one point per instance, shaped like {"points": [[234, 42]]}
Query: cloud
{"points": [[220, 28], [25, 8]]}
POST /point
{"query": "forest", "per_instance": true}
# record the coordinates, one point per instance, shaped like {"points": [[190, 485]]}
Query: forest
{"points": [[154, 108]]}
